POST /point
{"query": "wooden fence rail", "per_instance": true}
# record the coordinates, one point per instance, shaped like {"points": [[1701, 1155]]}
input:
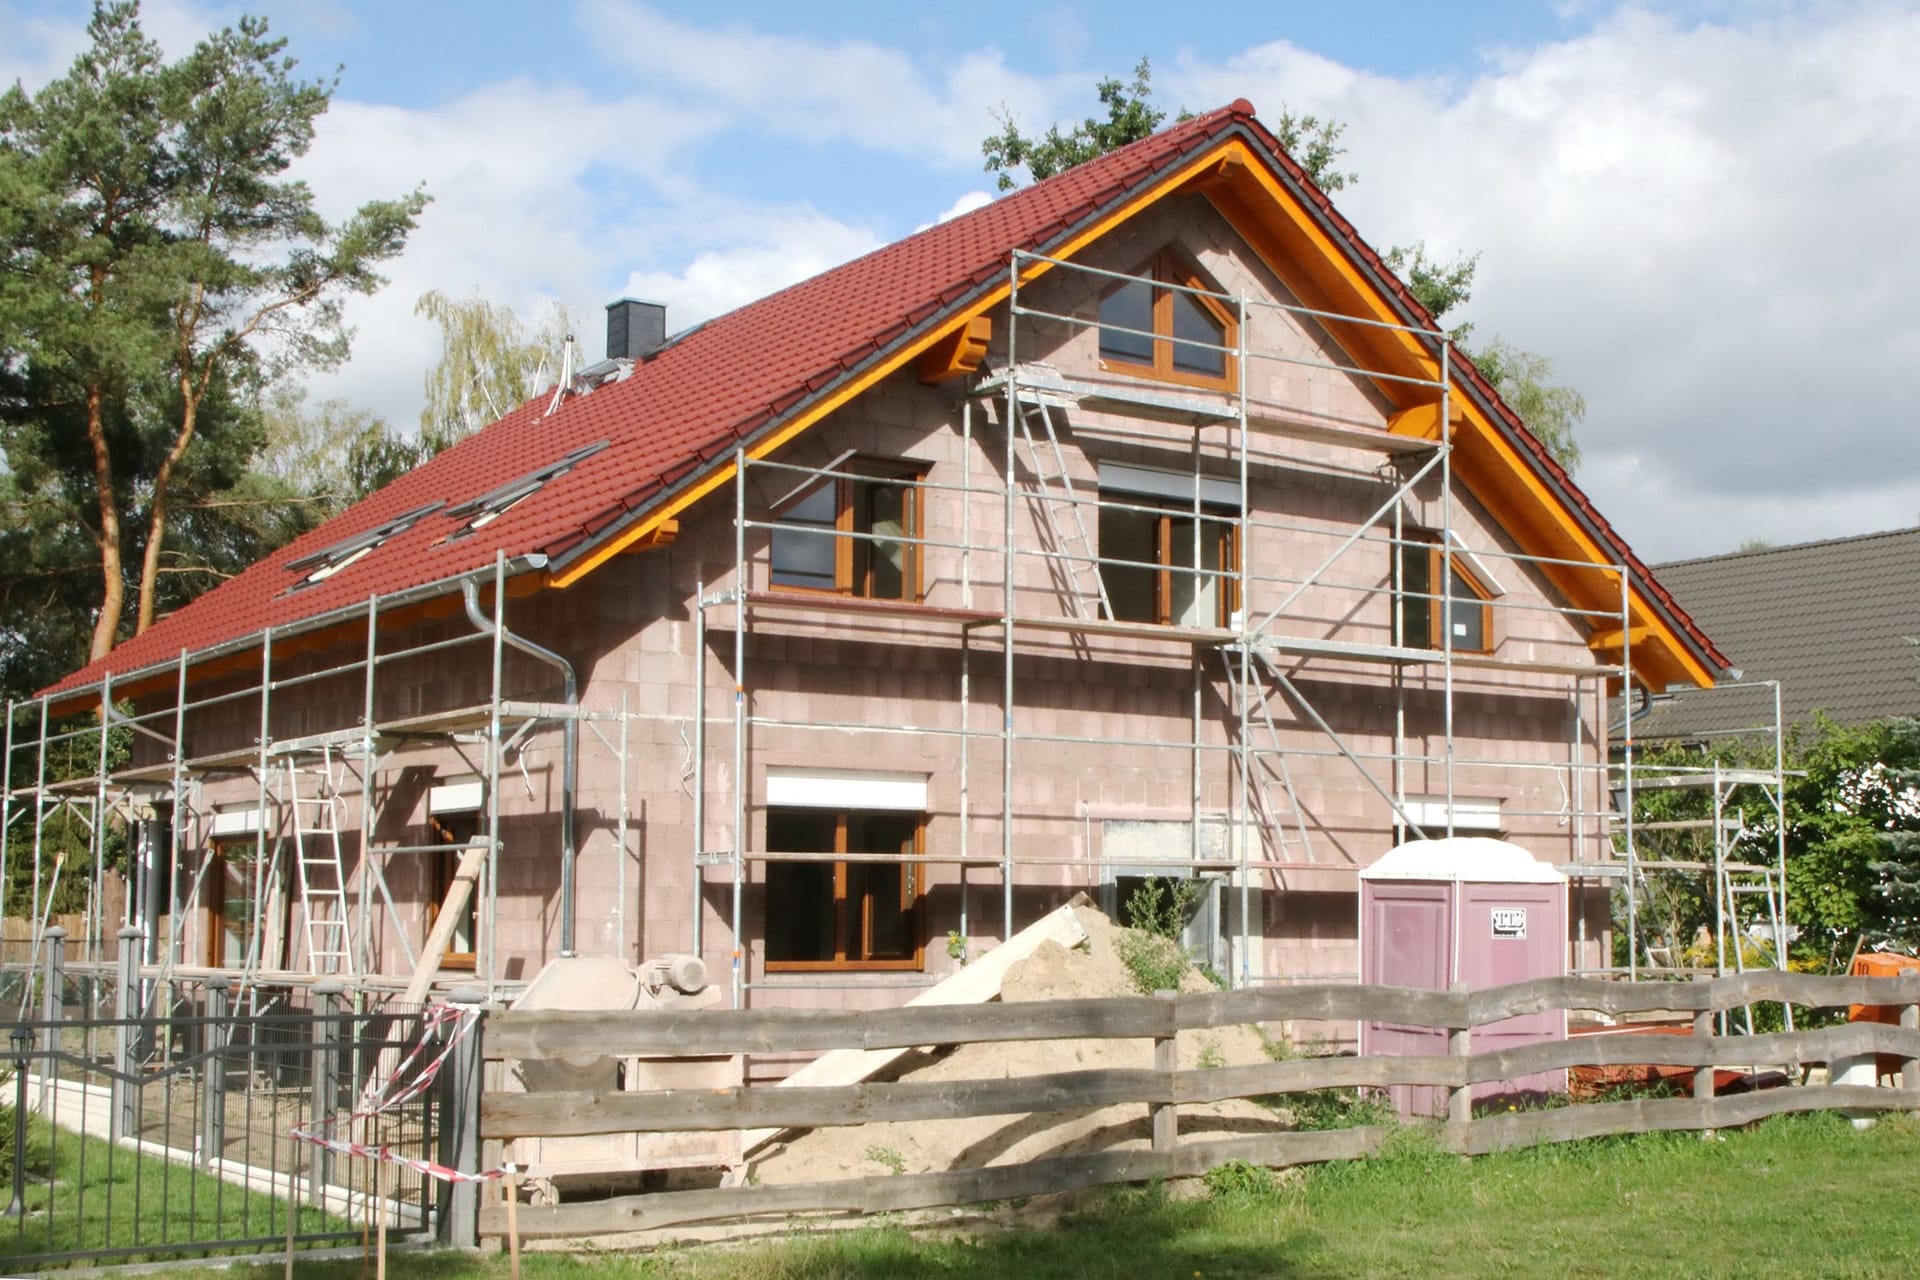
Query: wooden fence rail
{"points": [[558, 1034], [1164, 1088]]}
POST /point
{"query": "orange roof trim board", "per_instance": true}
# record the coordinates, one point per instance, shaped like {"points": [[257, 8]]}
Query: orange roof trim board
{"points": [[758, 376]]}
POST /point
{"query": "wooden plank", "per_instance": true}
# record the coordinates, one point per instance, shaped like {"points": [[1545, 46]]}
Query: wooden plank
{"points": [[465, 874], [1762, 986], [931, 1190], [1321, 1002], [506, 1115], [549, 1034], [1649, 1115]]}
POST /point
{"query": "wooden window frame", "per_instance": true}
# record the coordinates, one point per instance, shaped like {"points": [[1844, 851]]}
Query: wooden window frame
{"points": [[1169, 268], [213, 947], [851, 577], [1436, 599], [1227, 577], [911, 890], [442, 866]]}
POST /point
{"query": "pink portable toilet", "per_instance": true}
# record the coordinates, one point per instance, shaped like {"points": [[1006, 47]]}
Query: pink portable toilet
{"points": [[1470, 910]]}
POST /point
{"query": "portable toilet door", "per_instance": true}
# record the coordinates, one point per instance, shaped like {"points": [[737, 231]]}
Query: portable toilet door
{"points": [[1465, 910]]}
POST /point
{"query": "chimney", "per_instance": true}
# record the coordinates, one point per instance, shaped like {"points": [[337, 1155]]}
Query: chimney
{"points": [[635, 330]]}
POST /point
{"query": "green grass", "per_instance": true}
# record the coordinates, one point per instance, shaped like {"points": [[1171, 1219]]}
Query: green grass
{"points": [[107, 1197], [1796, 1196]]}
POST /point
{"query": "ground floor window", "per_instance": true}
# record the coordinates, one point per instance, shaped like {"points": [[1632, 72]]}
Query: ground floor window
{"points": [[232, 904], [455, 831], [833, 914]]}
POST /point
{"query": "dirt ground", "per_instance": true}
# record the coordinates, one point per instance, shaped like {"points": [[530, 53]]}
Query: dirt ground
{"points": [[1053, 972]]}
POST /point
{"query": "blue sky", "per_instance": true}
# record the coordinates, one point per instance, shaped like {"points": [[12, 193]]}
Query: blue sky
{"points": [[1699, 211]]}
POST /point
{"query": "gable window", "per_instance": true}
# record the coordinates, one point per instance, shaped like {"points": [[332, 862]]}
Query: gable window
{"points": [[1170, 326], [1160, 561], [852, 534], [1425, 616], [833, 914]]}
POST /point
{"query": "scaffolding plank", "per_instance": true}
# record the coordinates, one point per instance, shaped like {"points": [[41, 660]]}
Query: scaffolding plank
{"points": [[1125, 400], [1683, 781]]}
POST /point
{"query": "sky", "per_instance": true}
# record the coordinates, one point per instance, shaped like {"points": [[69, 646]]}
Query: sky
{"points": [[1700, 212]]}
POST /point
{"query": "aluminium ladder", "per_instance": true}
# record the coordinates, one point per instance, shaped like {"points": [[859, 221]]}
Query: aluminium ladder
{"points": [[1075, 557], [1267, 760], [315, 819]]}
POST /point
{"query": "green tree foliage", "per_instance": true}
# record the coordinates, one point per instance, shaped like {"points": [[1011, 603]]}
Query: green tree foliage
{"points": [[1440, 286], [1550, 412], [489, 365], [1852, 805], [331, 454], [1314, 142], [1130, 117], [1523, 380], [159, 268]]}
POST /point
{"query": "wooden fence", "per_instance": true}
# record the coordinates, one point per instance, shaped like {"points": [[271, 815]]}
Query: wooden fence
{"points": [[1165, 1088]]}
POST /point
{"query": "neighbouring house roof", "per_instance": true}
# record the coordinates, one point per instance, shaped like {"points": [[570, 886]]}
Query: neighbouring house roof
{"points": [[754, 377], [1829, 620]]}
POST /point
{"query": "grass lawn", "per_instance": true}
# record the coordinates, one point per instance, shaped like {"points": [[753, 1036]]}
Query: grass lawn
{"points": [[1795, 1196], [107, 1197]]}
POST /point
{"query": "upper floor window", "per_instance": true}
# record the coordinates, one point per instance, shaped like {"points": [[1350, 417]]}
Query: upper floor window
{"points": [[1160, 327], [1425, 617], [1165, 565], [851, 534]]}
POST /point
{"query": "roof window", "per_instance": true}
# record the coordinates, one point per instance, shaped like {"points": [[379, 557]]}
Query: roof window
{"points": [[490, 506], [323, 564]]}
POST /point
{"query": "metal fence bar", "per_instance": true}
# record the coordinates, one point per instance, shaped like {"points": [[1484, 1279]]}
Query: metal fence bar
{"points": [[175, 1140]]}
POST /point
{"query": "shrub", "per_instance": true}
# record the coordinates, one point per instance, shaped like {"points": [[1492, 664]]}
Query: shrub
{"points": [[1238, 1180]]}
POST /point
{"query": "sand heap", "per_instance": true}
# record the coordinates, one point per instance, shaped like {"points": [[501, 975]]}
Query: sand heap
{"points": [[1052, 972]]}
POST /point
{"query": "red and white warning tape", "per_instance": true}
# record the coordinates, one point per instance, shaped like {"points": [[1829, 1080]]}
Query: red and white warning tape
{"points": [[443, 1025]]}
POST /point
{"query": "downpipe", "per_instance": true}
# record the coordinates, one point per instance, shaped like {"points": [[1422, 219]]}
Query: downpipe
{"points": [[570, 748]]}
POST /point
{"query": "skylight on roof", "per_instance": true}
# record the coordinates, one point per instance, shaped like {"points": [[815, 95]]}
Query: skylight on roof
{"points": [[323, 564], [491, 505]]}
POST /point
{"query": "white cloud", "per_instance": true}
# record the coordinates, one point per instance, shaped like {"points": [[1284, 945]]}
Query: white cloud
{"points": [[820, 90], [522, 178], [966, 203], [1707, 227], [765, 253]]}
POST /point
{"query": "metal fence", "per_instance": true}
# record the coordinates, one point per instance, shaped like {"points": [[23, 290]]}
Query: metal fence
{"points": [[153, 1119]]}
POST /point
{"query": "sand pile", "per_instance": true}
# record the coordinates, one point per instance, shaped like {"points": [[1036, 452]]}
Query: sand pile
{"points": [[1051, 973]]}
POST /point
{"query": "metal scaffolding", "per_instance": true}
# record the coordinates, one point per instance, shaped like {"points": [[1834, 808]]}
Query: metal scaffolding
{"points": [[1255, 660], [314, 786], [315, 795], [1734, 852]]}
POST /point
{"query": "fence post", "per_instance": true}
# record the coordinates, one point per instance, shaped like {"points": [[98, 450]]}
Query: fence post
{"points": [[1910, 1067], [461, 1084], [1703, 1074], [52, 1004], [1460, 1096], [213, 1138], [124, 1120], [1166, 1061], [53, 993], [327, 1048]]}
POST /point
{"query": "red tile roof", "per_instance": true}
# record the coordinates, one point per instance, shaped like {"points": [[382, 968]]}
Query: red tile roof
{"points": [[685, 409]]}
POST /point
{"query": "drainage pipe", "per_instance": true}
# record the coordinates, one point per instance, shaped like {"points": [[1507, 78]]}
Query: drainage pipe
{"points": [[570, 750]]}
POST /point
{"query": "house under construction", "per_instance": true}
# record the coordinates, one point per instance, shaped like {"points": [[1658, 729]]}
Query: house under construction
{"points": [[1140, 524]]}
